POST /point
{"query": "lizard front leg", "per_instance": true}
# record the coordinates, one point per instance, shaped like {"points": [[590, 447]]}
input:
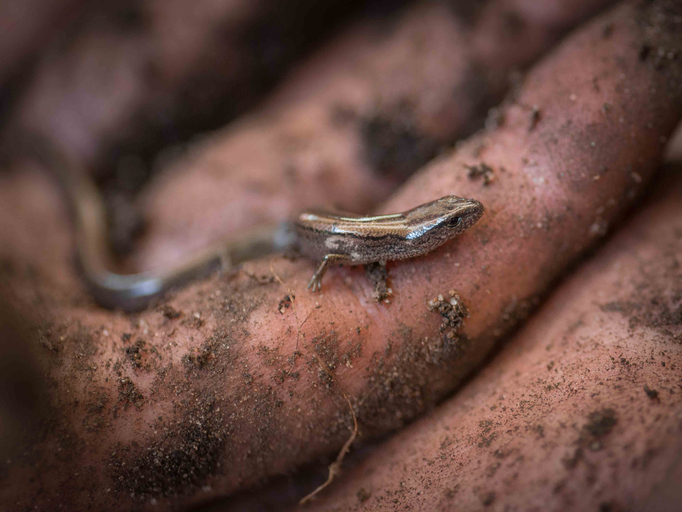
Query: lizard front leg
{"points": [[315, 283]]}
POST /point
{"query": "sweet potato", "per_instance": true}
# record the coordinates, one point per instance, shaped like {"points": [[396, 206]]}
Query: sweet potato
{"points": [[580, 411]]}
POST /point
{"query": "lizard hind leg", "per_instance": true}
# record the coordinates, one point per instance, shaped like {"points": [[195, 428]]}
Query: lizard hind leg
{"points": [[315, 283]]}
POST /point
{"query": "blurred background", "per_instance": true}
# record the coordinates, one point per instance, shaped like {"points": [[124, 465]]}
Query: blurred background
{"points": [[123, 86]]}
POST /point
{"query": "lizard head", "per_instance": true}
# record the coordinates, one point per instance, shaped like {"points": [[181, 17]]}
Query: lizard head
{"points": [[436, 222], [456, 213]]}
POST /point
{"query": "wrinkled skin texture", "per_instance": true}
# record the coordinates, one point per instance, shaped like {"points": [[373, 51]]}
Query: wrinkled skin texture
{"points": [[229, 382]]}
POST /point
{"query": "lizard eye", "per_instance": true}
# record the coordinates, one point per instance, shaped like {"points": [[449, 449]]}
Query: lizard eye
{"points": [[453, 222]]}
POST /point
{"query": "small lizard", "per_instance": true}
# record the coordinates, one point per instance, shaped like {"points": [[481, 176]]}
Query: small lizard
{"points": [[331, 237], [355, 240]]}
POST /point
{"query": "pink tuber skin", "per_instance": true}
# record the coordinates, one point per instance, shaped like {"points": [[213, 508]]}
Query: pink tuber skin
{"points": [[580, 411], [231, 381]]}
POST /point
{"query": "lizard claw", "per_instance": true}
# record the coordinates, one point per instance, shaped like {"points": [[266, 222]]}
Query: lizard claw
{"points": [[314, 284]]}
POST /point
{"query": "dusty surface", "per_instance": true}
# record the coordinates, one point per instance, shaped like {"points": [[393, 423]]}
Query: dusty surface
{"points": [[243, 375], [581, 410]]}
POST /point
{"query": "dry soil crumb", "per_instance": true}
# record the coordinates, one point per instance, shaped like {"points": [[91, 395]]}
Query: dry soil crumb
{"points": [[453, 312], [481, 170], [599, 425], [378, 274]]}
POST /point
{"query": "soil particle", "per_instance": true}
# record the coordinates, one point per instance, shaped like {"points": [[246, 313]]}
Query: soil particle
{"points": [[282, 365], [452, 311], [644, 51], [661, 22], [354, 352], [378, 274], [325, 378], [655, 299], [487, 435], [535, 116], [539, 430], [80, 343], [395, 384], [198, 360], [285, 303], [599, 425], [128, 394], [570, 460], [213, 354], [169, 312], [651, 393], [134, 353], [481, 170], [181, 458], [608, 506], [492, 469], [363, 495], [488, 499], [194, 320], [658, 314], [327, 349]]}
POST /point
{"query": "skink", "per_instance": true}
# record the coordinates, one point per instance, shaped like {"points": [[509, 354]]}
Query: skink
{"points": [[330, 237], [356, 240]]}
